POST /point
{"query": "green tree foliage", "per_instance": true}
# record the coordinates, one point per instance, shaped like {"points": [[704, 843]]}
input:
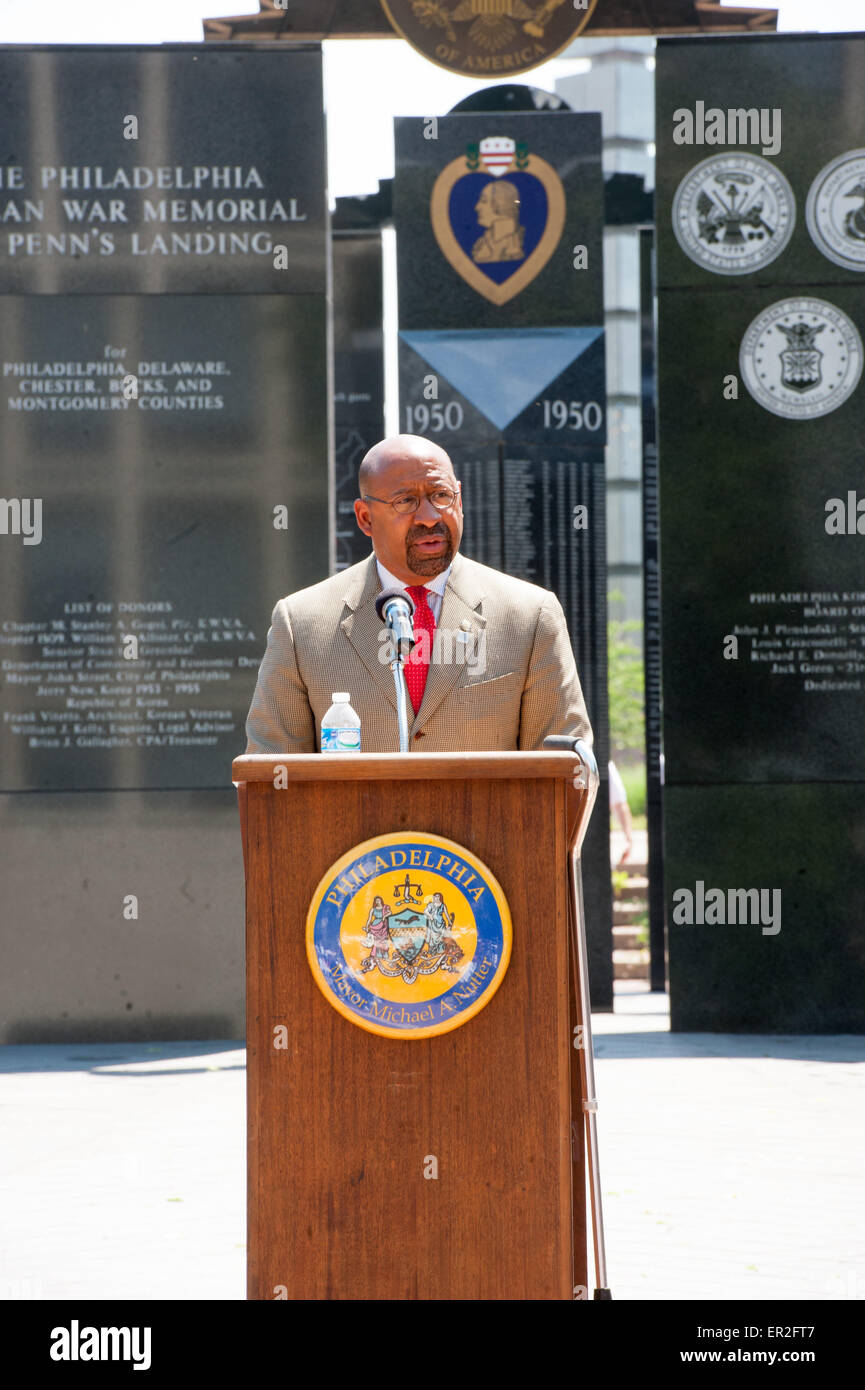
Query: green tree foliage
{"points": [[625, 682]]}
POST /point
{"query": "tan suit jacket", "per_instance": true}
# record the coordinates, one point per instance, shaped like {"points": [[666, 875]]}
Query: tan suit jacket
{"points": [[326, 639]]}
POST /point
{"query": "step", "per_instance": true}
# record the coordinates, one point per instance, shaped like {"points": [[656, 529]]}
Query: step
{"points": [[629, 929], [624, 927], [637, 867], [630, 906], [635, 886], [628, 938], [630, 965], [625, 911]]}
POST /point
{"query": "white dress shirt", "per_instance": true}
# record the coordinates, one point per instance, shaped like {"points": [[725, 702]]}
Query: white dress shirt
{"points": [[435, 587]]}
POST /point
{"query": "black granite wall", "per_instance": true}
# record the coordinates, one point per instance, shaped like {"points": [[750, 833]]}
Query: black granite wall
{"points": [[761, 246], [164, 411], [502, 363]]}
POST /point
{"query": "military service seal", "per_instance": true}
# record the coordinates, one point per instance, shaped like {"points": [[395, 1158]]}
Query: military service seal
{"points": [[801, 358], [734, 213], [835, 210]]}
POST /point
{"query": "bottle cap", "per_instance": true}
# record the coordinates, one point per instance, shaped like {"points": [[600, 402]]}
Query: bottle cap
{"points": [[341, 697]]}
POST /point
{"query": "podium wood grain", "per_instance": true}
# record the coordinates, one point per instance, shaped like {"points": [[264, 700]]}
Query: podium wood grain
{"points": [[342, 1121]]}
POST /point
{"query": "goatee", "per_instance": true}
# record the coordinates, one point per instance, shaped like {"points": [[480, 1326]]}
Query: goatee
{"points": [[429, 565]]}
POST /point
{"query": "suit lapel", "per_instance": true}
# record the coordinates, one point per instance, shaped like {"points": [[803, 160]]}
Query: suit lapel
{"points": [[462, 597], [363, 625]]}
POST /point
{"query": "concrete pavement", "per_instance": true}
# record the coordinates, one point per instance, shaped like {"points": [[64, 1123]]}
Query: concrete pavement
{"points": [[731, 1165], [123, 1171]]}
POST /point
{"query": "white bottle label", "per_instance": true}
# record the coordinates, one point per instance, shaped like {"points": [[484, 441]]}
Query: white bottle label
{"points": [[340, 740]]}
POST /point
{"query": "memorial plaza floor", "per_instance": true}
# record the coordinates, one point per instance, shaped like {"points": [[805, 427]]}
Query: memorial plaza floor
{"points": [[731, 1165]]}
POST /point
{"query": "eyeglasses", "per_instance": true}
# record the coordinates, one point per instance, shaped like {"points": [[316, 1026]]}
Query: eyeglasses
{"points": [[442, 498]]}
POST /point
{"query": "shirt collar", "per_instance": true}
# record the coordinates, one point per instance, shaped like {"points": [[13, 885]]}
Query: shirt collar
{"points": [[389, 581]]}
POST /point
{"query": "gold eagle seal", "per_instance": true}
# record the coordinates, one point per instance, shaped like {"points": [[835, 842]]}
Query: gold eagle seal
{"points": [[488, 38]]}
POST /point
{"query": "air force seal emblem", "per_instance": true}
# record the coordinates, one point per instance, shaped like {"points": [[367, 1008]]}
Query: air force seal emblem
{"points": [[498, 213], [408, 935], [801, 358]]}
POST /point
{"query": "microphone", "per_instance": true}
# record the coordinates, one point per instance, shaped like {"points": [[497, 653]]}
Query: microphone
{"points": [[395, 608]]}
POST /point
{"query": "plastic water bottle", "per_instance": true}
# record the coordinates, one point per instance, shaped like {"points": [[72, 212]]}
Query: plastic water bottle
{"points": [[340, 727]]}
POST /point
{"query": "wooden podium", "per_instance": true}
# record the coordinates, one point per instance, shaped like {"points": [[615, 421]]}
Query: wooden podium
{"points": [[343, 1122]]}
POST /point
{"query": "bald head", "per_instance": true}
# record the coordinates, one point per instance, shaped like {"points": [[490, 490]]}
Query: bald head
{"points": [[398, 450]]}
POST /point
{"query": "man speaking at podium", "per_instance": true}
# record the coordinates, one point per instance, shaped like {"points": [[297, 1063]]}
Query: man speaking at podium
{"points": [[493, 668]]}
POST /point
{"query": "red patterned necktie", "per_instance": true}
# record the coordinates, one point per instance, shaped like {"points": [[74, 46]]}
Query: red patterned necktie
{"points": [[415, 667]]}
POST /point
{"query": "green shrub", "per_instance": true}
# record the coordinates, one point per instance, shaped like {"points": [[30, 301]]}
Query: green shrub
{"points": [[625, 684], [619, 878], [634, 778]]}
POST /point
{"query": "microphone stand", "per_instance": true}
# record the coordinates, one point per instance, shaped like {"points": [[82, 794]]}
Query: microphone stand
{"points": [[398, 668], [588, 780]]}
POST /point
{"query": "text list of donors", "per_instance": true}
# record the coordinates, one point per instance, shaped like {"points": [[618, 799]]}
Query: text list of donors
{"points": [[89, 686]]}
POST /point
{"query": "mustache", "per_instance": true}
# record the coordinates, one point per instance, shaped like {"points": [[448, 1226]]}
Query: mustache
{"points": [[428, 535]]}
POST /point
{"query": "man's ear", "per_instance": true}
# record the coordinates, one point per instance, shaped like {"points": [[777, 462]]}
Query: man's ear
{"points": [[361, 512]]}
